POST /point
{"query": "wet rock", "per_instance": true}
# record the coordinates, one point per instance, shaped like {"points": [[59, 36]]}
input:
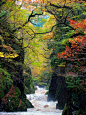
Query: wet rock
{"points": [[46, 106], [38, 110], [58, 90]]}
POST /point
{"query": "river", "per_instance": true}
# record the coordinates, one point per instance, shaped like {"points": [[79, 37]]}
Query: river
{"points": [[41, 106]]}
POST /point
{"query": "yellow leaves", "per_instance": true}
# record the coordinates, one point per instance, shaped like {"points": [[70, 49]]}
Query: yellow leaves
{"points": [[48, 36], [51, 21], [8, 55], [30, 24], [65, 41], [14, 55], [1, 54], [70, 40], [61, 65]]}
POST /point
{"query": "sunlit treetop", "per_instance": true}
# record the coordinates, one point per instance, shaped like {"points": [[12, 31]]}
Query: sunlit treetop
{"points": [[61, 2]]}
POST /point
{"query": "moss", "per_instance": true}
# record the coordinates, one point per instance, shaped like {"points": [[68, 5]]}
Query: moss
{"points": [[26, 90], [11, 99], [78, 113], [28, 104], [5, 82], [22, 106], [81, 112], [29, 84], [65, 110], [47, 93]]}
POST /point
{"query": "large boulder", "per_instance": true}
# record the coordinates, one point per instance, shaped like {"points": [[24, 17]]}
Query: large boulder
{"points": [[13, 101]]}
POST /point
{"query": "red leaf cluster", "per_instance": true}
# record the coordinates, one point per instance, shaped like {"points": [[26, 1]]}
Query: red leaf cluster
{"points": [[11, 93], [78, 25], [19, 103], [78, 43]]}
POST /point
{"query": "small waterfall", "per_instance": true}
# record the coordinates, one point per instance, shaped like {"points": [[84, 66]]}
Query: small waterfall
{"points": [[41, 106]]}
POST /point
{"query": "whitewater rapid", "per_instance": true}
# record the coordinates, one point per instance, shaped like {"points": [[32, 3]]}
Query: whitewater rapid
{"points": [[41, 106]]}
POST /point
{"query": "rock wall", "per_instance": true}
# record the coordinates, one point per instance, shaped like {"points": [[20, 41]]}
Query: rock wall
{"points": [[58, 88]]}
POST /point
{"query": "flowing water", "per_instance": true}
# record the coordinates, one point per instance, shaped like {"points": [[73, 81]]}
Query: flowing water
{"points": [[41, 106]]}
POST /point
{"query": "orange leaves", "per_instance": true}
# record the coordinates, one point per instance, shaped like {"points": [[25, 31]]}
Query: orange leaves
{"points": [[9, 0], [66, 53], [85, 31], [19, 103], [7, 47], [48, 36], [72, 22], [82, 68], [11, 93], [78, 25], [78, 43]]}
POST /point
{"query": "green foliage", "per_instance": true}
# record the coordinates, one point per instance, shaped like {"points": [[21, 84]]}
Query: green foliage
{"points": [[5, 82], [22, 107], [28, 82], [74, 84], [64, 112], [3, 13], [11, 99], [47, 93]]}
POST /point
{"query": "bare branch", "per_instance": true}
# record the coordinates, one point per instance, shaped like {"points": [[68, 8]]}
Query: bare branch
{"points": [[60, 6], [30, 16]]}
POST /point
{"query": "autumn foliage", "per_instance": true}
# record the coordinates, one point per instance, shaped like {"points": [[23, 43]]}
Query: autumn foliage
{"points": [[76, 51], [11, 94], [78, 44]]}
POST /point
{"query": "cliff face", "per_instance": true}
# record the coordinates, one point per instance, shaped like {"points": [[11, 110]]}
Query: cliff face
{"points": [[12, 97], [58, 88]]}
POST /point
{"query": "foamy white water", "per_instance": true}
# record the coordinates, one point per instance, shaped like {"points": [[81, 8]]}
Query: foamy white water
{"points": [[41, 106]]}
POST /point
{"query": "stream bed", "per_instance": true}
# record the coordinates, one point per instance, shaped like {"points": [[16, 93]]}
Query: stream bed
{"points": [[40, 103]]}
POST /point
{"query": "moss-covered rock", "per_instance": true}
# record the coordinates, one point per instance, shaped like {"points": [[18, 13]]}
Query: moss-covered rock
{"points": [[28, 83], [26, 90], [47, 93], [81, 112], [58, 90], [21, 106], [65, 110], [5, 84], [10, 101], [13, 101], [28, 104]]}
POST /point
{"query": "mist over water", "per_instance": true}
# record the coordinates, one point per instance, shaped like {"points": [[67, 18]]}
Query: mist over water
{"points": [[41, 106]]}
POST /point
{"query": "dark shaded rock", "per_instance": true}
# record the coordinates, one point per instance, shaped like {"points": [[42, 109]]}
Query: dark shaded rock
{"points": [[58, 88], [61, 92], [10, 101], [13, 101], [28, 83], [24, 104], [53, 88]]}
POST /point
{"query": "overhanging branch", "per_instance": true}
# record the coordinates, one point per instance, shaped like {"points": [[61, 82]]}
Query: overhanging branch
{"points": [[30, 16]]}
